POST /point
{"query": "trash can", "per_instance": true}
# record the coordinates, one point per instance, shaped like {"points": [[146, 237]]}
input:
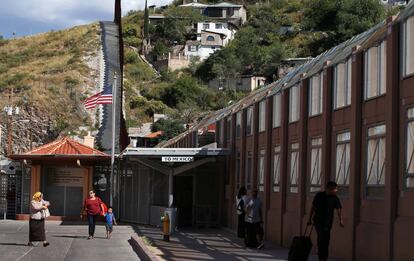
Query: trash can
{"points": [[172, 214]]}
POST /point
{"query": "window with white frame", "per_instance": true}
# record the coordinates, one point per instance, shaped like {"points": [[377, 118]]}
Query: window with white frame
{"points": [[315, 164], [375, 63], [277, 110], [276, 169], [219, 26], [206, 26], [249, 166], [238, 174], [375, 163], [249, 121], [408, 46], [409, 150], [343, 158], [261, 170], [315, 94], [262, 116], [238, 124], [294, 103], [342, 84], [294, 168], [228, 128]]}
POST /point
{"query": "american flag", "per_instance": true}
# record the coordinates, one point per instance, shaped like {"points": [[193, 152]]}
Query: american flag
{"points": [[104, 97]]}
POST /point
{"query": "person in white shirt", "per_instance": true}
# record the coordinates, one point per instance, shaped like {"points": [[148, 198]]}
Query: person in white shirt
{"points": [[254, 221], [241, 199]]}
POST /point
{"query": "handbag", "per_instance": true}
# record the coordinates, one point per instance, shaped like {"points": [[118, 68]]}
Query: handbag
{"points": [[45, 213]]}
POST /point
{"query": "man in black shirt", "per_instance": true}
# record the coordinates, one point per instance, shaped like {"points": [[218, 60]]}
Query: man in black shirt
{"points": [[322, 215]]}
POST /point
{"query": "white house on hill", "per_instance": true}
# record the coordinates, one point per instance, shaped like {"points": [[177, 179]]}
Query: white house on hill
{"points": [[211, 36]]}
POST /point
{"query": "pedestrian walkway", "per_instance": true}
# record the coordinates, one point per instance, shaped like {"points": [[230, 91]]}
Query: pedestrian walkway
{"points": [[204, 244], [67, 242]]}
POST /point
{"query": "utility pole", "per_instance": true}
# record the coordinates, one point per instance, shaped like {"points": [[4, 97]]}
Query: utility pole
{"points": [[9, 124], [114, 111]]}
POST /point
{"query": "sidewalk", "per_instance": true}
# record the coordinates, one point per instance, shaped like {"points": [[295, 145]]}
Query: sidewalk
{"points": [[201, 244], [67, 242]]}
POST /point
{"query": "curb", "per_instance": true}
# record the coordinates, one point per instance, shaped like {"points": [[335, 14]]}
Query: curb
{"points": [[144, 253]]}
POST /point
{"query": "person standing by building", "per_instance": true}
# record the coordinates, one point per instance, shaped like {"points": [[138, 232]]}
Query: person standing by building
{"points": [[93, 206], [254, 221], [241, 199], [38, 208], [109, 222], [322, 216]]}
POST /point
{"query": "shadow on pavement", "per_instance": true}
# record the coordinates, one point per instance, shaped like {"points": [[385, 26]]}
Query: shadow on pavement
{"points": [[134, 247], [12, 244], [207, 244], [68, 236]]}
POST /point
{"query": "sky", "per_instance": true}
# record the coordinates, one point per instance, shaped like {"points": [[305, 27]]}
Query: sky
{"points": [[27, 17]]}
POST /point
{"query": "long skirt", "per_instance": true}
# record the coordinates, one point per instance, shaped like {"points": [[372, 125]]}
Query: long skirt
{"points": [[37, 230]]}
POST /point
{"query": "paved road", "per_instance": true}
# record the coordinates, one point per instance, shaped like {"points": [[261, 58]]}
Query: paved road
{"points": [[67, 242]]}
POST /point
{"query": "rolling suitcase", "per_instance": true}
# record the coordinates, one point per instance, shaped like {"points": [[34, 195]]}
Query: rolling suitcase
{"points": [[301, 247]]}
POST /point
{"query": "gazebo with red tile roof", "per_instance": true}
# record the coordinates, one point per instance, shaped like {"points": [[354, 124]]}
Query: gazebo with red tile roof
{"points": [[63, 171], [64, 148]]}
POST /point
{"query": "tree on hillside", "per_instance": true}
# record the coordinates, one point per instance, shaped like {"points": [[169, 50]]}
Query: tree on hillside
{"points": [[146, 21], [170, 128], [339, 20], [321, 15], [186, 92], [357, 16], [256, 49], [175, 28]]}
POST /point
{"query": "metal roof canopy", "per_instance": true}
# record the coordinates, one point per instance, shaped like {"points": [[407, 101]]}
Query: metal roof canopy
{"points": [[146, 156], [158, 152]]}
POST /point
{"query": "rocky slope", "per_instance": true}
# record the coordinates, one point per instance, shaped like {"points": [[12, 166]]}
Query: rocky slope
{"points": [[49, 74]]}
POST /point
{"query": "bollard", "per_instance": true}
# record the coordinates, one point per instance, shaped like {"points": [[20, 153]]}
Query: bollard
{"points": [[166, 227]]}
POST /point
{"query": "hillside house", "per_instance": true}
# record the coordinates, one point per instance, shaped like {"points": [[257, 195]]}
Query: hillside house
{"points": [[246, 83], [228, 12], [210, 36]]}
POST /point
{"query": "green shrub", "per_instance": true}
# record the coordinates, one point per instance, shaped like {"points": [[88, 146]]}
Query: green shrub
{"points": [[130, 56]]}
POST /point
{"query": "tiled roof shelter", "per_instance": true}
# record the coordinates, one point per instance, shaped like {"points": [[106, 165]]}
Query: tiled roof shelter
{"points": [[63, 148], [64, 171]]}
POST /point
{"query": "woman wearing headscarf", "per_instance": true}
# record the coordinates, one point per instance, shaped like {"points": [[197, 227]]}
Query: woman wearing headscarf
{"points": [[37, 219], [93, 206]]}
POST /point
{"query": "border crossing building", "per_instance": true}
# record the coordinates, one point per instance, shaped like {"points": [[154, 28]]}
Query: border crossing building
{"points": [[346, 115]]}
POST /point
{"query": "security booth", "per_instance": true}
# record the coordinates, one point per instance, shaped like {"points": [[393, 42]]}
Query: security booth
{"points": [[190, 180], [64, 172]]}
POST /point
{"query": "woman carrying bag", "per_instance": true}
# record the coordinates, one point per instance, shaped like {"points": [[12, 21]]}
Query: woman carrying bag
{"points": [[93, 207], [39, 210]]}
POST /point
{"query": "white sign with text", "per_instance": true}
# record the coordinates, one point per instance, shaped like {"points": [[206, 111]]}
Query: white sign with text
{"points": [[177, 159]]}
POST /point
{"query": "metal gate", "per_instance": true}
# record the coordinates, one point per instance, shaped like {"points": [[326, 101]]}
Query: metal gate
{"points": [[11, 194], [135, 187]]}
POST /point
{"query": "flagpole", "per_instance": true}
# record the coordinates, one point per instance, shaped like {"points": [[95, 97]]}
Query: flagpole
{"points": [[111, 186]]}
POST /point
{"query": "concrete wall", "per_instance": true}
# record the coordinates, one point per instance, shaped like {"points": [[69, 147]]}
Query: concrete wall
{"points": [[177, 64]]}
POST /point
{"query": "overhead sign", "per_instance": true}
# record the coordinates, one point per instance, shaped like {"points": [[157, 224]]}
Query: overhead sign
{"points": [[177, 159]]}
